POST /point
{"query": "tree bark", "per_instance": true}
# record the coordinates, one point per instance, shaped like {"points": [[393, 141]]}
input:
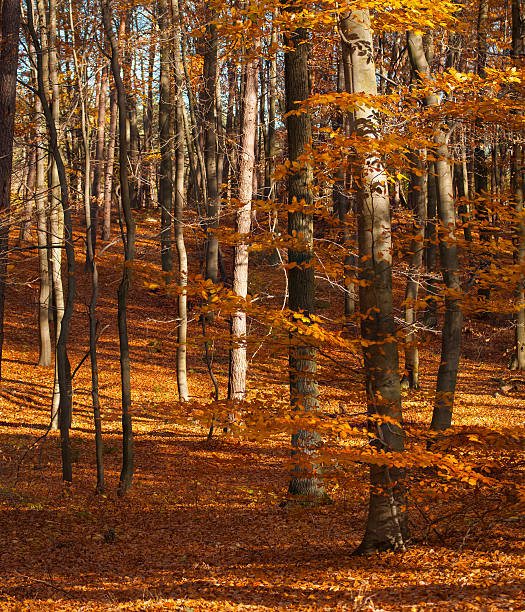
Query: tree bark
{"points": [[165, 113], [97, 191], [239, 364], [303, 356], [62, 359], [126, 474], [518, 189], [9, 31], [182, 330], [386, 526], [451, 337], [210, 146], [89, 211], [417, 198], [108, 178]]}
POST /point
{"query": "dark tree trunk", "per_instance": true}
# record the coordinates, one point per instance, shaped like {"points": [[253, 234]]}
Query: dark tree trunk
{"points": [[165, 114], [303, 357], [128, 237], [9, 31], [210, 146]]}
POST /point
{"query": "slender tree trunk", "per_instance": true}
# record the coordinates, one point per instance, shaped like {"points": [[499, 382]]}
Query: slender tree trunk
{"points": [[29, 190], [518, 189], [182, 330], [9, 30], [62, 359], [346, 206], [210, 146], [166, 169], [417, 198], [451, 337], [90, 252], [239, 364], [386, 526], [44, 296], [128, 238], [303, 357], [108, 179], [97, 192]]}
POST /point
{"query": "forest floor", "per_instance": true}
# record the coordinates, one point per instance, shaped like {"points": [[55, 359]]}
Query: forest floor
{"points": [[203, 526]]}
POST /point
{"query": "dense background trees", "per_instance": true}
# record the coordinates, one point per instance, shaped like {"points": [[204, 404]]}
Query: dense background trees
{"points": [[337, 185]]}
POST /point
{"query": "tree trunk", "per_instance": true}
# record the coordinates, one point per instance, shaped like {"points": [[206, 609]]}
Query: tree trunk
{"points": [[417, 198], [9, 29], [44, 296], [126, 474], [98, 188], [239, 364], [386, 526], [182, 382], [166, 169], [108, 179], [303, 357], [29, 190], [62, 359], [451, 337], [90, 252], [518, 189], [210, 146]]}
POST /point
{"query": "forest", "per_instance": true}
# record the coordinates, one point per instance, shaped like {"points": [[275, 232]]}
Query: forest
{"points": [[262, 305]]}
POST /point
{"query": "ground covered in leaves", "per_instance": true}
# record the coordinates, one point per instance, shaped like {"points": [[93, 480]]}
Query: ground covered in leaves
{"points": [[203, 527]]}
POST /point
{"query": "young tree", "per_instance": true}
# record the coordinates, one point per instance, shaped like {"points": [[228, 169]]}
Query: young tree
{"points": [[239, 364], [182, 329], [126, 474]]}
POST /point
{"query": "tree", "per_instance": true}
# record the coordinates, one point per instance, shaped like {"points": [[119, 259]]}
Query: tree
{"points": [[239, 364], [9, 32], [128, 239], [386, 526], [303, 365]]}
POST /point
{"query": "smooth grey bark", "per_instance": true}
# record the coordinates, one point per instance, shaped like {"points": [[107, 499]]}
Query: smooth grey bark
{"points": [[9, 36], [45, 288], [62, 359], [387, 525], [239, 364], [182, 330], [451, 336], [108, 178], [24, 233], [128, 238], [303, 356], [97, 190], [346, 204], [48, 73]]}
